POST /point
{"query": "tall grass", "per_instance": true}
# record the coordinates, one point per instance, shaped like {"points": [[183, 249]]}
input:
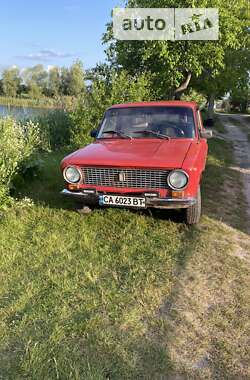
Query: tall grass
{"points": [[55, 128], [43, 102]]}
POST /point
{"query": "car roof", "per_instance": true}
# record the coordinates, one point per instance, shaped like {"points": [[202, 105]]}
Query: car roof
{"points": [[167, 103]]}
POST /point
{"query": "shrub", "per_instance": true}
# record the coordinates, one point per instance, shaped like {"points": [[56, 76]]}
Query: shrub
{"points": [[55, 129], [18, 142], [194, 96], [102, 94]]}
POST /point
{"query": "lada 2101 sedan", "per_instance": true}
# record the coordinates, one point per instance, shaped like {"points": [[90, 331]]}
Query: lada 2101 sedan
{"points": [[144, 155]]}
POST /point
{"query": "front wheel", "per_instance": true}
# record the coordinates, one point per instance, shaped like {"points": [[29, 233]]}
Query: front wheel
{"points": [[193, 213]]}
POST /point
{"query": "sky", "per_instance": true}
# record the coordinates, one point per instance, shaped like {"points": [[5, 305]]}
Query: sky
{"points": [[53, 32]]}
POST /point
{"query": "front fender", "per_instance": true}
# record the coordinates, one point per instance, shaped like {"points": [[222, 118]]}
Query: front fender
{"points": [[194, 164]]}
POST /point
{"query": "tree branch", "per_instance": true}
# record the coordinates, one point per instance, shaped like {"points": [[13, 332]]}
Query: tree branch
{"points": [[182, 87]]}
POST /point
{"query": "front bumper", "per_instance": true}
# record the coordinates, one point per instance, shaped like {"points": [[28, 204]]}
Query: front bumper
{"points": [[165, 203]]}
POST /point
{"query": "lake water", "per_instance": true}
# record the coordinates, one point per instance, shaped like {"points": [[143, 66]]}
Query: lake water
{"points": [[21, 113]]}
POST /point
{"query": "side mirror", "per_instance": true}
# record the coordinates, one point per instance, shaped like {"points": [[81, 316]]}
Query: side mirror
{"points": [[94, 133], [208, 122], [206, 133]]}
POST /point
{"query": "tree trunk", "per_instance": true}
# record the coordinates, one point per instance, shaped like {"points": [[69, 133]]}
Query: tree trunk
{"points": [[210, 108], [178, 92]]}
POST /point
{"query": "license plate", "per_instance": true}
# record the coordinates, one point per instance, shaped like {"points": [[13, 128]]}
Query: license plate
{"points": [[117, 200]]}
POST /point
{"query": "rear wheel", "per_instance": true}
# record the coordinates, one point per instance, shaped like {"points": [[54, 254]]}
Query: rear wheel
{"points": [[193, 213]]}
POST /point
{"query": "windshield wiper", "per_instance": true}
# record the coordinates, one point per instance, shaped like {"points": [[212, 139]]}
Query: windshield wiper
{"points": [[121, 134], [161, 135]]}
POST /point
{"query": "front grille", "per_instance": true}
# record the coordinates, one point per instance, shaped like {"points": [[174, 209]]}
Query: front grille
{"points": [[129, 178]]}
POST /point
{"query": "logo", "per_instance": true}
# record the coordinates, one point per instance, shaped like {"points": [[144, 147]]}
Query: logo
{"points": [[166, 24], [122, 177]]}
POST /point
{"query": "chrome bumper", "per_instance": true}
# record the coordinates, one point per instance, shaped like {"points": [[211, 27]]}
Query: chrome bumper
{"points": [[165, 203]]}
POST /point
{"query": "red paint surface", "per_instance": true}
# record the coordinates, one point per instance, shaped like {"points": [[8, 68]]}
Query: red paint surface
{"points": [[187, 154]]}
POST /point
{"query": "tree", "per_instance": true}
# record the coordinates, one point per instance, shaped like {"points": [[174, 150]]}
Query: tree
{"points": [[233, 79], [175, 65], [54, 81], [76, 79], [240, 96], [102, 71], [1, 87], [34, 91], [65, 79], [11, 81], [91, 106], [36, 79]]}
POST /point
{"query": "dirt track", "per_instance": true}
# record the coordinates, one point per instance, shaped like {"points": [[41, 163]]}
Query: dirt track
{"points": [[238, 130]]}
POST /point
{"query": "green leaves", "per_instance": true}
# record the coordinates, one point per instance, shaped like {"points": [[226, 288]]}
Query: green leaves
{"points": [[11, 81], [169, 62], [119, 88], [17, 144]]}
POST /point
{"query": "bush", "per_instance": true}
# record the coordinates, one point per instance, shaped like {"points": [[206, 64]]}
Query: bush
{"points": [[55, 129], [18, 143], [93, 103], [194, 96]]}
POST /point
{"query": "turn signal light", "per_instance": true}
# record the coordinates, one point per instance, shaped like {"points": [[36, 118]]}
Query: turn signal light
{"points": [[73, 187], [177, 194]]}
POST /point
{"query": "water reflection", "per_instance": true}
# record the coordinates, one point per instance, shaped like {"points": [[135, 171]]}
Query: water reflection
{"points": [[21, 113]]}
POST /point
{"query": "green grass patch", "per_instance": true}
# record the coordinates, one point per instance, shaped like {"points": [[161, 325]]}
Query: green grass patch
{"points": [[43, 102], [82, 297]]}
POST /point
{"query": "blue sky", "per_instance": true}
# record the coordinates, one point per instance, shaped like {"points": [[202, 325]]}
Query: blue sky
{"points": [[53, 32]]}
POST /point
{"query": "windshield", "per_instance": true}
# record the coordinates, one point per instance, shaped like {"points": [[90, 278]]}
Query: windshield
{"points": [[148, 122]]}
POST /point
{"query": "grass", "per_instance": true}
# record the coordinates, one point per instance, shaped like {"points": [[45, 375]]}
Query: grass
{"points": [[44, 102], [120, 294]]}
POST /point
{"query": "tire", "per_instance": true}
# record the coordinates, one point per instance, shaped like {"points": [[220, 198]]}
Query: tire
{"points": [[193, 213]]}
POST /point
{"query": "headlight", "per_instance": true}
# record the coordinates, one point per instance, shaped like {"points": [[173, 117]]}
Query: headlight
{"points": [[72, 174], [177, 179]]}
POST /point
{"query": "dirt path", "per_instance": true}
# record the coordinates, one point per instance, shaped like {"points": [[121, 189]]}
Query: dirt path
{"points": [[238, 128]]}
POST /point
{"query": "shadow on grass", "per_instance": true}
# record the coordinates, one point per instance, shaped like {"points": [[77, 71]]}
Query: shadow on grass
{"points": [[45, 187]]}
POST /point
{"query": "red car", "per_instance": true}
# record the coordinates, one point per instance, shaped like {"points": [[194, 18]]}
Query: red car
{"points": [[144, 155]]}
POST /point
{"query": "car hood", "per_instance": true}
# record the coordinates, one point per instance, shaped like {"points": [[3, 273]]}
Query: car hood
{"points": [[132, 153]]}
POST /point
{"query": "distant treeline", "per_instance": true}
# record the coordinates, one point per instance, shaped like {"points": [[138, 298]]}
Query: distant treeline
{"points": [[36, 82]]}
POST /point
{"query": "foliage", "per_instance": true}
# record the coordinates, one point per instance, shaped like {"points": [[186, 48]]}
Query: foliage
{"points": [[11, 81], [76, 79], [55, 127], [240, 92], [1, 87], [65, 80], [234, 79], [194, 96], [102, 94], [169, 62], [18, 142], [102, 71], [36, 82], [54, 81], [240, 98]]}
